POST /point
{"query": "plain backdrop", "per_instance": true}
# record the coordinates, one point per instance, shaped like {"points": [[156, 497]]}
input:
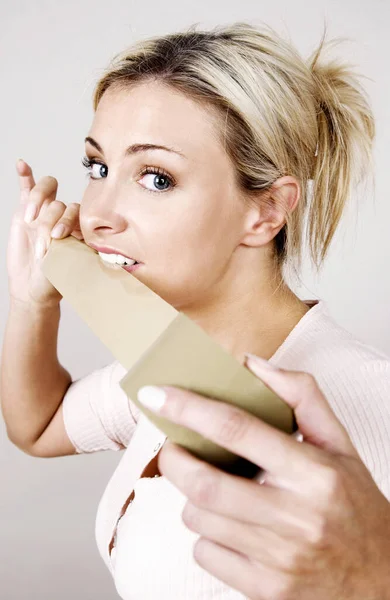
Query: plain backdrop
{"points": [[51, 54]]}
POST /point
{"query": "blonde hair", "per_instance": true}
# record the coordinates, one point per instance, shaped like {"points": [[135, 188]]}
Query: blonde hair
{"points": [[279, 115]]}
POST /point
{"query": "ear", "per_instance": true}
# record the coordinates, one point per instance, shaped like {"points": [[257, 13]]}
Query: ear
{"points": [[267, 215]]}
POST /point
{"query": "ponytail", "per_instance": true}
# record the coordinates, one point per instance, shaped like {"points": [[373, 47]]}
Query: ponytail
{"points": [[346, 131]]}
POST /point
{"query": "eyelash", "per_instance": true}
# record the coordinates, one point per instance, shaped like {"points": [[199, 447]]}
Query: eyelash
{"points": [[89, 162]]}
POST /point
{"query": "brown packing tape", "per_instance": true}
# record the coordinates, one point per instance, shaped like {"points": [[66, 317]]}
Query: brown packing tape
{"points": [[159, 346]]}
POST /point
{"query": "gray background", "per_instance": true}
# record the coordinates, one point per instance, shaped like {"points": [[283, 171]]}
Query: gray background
{"points": [[51, 53]]}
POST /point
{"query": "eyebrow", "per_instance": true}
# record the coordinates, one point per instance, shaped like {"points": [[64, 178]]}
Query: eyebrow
{"points": [[135, 148]]}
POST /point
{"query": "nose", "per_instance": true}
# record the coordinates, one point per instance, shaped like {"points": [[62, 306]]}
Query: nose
{"points": [[100, 219]]}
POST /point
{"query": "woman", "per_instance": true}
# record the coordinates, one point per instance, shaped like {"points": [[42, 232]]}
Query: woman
{"points": [[256, 140]]}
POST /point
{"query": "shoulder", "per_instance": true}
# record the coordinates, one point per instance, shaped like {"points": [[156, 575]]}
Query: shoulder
{"points": [[355, 379], [346, 368], [318, 343]]}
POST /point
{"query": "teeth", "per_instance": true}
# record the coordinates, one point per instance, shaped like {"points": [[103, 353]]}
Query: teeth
{"points": [[116, 259]]}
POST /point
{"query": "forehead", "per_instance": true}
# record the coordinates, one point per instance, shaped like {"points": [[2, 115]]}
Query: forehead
{"points": [[154, 113]]}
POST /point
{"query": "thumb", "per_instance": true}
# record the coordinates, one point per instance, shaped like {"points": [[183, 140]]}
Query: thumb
{"points": [[316, 421]]}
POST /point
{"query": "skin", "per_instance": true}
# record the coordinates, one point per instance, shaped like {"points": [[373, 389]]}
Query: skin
{"points": [[317, 527], [203, 248], [209, 253], [285, 539]]}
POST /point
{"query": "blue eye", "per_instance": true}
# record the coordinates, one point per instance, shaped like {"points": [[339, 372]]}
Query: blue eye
{"points": [[161, 177], [90, 163]]}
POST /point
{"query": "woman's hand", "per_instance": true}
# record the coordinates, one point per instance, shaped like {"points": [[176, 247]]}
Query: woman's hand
{"points": [[29, 239], [318, 527]]}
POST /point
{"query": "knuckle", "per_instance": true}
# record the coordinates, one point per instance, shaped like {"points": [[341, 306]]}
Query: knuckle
{"points": [[234, 426], [46, 186], [66, 221], [50, 181], [331, 481], [308, 381], [199, 552], [289, 560], [50, 212], [179, 410], [74, 206], [329, 487], [40, 197], [317, 532], [203, 487], [191, 518], [58, 204]]}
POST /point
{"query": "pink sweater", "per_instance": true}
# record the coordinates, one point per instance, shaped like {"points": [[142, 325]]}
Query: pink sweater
{"points": [[151, 553]]}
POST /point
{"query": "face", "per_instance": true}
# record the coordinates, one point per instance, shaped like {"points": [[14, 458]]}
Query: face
{"points": [[178, 213]]}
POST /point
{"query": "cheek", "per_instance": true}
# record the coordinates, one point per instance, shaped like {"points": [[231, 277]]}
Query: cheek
{"points": [[193, 251], [193, 239], [188, 246]]}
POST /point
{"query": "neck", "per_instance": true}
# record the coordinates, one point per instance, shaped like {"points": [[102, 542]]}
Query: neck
{"points": [[255, 314]]}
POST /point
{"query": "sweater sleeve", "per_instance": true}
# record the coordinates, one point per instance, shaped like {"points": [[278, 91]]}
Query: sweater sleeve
{"points": [[97, 413]]}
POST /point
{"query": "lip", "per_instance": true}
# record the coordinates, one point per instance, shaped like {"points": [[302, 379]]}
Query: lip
{"points": [[131, 268], [107, 250]]}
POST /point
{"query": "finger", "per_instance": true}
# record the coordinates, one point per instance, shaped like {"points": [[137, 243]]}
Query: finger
{"points": [[44, 225], [251, 578], [234, 429], [68, 221], [235, 497], [50, 214], [45, 189], [26, 180], [77, 234], [316, 420], [257, 543]]}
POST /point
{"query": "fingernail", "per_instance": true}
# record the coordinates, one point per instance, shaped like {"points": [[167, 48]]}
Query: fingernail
{"points": [[58, 230], [40, 248], [254, 361], [30, 213], [152, 397]]}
